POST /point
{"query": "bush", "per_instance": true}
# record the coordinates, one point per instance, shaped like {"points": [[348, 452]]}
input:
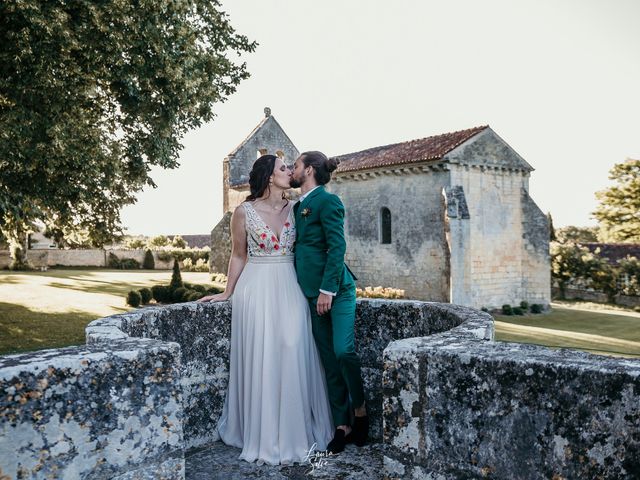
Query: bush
{"points": [[379, 292], [518, 311], [536, 308], [177, 294], [214, 290], [507, 310], [129, 264], [194, 295], [148, 263], [113, 261], [145, 295], [176, 278], [195, 286], [220, 278], [484, 309], [134, 298], [636, 309], [161, 293], [524, 305]]}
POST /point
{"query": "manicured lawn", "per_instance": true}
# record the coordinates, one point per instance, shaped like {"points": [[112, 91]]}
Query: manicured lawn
{"points": [[579, 326], [50, 309]]}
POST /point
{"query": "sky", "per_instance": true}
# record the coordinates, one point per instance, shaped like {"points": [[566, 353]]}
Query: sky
{"points": [[558, 80]]}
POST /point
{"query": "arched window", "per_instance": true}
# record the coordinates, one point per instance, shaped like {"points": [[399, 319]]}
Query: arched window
{"points": [[261, 151], [280, 154], [385, 225]]}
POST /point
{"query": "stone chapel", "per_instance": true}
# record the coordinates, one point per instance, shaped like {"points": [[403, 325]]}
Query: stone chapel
{"points": [[447, 218]]}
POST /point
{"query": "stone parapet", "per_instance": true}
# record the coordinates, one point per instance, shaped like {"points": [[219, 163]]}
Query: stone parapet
{"points": [[112, 410], [456, 407]]}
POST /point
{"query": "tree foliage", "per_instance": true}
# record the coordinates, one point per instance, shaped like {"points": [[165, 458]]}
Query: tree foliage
{"points": [[619, 208], [93, 94], [577, 234]]}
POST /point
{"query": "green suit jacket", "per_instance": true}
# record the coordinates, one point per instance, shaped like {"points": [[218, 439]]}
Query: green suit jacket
{"points": [[320, 244]]}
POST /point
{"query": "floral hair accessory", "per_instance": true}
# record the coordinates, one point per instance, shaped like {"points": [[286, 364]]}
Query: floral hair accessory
{"points": [[305, 212]]}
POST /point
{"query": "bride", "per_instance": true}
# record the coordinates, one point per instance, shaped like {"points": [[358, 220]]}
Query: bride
{"points": [[276, 406]]}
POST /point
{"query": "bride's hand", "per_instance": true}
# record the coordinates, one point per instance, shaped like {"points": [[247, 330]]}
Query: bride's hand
{"points": [[218, 297]]}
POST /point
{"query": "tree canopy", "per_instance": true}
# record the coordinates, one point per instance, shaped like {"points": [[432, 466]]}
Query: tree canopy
{"points": [[619, 210], [92, 94]]}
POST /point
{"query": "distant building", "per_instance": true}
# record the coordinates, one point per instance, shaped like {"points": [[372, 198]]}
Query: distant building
{"points": [[447, 218]]}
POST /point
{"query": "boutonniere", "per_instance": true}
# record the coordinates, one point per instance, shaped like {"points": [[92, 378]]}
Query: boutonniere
{"points": [[305, 212]]}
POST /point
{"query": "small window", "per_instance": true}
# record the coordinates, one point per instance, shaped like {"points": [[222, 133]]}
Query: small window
{"points": [[280, 154], [385, 225], [261, 151]]}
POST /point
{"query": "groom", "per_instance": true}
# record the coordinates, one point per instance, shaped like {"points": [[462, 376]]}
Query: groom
{"points": [[330, 289]]}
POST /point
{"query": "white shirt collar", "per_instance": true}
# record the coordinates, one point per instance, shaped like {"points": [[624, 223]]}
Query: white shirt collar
{"points": [[302, 197]]}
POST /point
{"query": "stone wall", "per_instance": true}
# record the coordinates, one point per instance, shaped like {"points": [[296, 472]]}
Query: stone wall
{"points": [[204, 331], [82, 258], [416, 260], [458, 408], [595, 296], [221, 245], [97, 411]]}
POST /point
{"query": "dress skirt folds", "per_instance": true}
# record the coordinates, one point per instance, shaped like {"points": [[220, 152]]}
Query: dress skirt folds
{"points": [[277, 406]]}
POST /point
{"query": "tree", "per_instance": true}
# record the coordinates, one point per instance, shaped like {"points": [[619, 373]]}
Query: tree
{"points": [[178, 242], [94, 94], [552, 230], [158, 241], [176, 277], [619, 210], [577, 234], [149, 262], [573, 263]]}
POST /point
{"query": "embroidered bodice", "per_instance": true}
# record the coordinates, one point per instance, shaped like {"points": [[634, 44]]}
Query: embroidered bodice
{"points": [[262, 241]]}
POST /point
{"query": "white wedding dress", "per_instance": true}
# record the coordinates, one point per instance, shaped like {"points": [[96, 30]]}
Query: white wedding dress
{"points": [[277, 406]]}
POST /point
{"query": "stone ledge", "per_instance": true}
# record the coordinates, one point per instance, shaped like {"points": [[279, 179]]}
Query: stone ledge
{"points": [[459, 408], [104, 411]]}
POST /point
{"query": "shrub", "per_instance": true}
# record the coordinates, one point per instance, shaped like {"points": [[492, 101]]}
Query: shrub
{"points": [[135, 243], [161, 293], [176, 278], [148, 263], [159, 241], [145, 295], [636, 309], [178, 294], [379, 292], [213, 290], [194, 295], [113, 261], [536, 308], [134, 298], [484, 309], [195, 286], [518, 311], [507, 310], [220, 278], [524, 305], [187, 265], [201, 265], [129, 264]]}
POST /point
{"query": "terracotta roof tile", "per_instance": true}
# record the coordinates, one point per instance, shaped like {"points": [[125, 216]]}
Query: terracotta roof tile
{"points": [[414, 151]]}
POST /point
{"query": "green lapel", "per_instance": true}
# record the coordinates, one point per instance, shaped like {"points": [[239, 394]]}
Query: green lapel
{"points": [[300, 206]]}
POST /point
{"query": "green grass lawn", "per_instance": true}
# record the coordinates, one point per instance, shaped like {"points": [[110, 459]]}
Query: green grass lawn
{"points": [[583, 326], [50, 309]]}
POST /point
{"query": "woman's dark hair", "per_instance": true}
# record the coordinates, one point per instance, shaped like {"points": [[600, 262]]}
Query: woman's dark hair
{"points": [[322, 166], [259, 176]]}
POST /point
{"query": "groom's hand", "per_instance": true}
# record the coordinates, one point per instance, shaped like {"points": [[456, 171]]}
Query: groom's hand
{"points": [[324, 303]]}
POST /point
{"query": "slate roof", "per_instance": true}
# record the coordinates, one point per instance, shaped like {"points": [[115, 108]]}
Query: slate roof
{"points": [[414, 151]]}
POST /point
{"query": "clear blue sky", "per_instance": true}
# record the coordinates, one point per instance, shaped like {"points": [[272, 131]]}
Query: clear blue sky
{"points": [[557, 79]]}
